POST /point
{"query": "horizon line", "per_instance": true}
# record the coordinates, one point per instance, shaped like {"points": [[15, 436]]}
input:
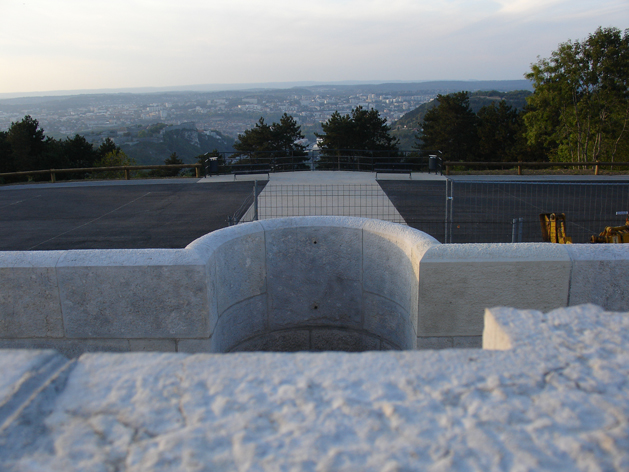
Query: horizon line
{"points": [[229, 87]]}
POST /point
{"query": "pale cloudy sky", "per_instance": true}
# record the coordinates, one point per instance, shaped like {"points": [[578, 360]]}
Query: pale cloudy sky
{"points": [[88, 44]]}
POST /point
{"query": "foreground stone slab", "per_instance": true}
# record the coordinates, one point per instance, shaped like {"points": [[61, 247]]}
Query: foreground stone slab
{"points": [[549, 392]]}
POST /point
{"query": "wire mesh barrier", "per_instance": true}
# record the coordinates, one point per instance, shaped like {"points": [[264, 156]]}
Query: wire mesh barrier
{"points": [[342, 159], [509, 211], [277, 201], [453, 211]]}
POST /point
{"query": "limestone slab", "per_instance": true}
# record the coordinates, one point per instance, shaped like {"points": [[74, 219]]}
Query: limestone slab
{"points": [[343, 340], [290, 340], [600, 275], [134, 302], [240, 270], [458, 281], [387, 319], [70, 348], [314, 276], [555, 400], [29, 295], [194, 346], [240, 322], [387, 267], [160, 345]]}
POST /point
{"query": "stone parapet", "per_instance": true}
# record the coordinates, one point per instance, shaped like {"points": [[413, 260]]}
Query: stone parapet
{"points": [[306, 283], [548, 392]]}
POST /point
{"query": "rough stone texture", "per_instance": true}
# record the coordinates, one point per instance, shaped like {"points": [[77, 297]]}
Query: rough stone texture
{"points": [[68, 347], [314, 276], [29, 295], [240, 270], [290, 274], [195, 346], [134, 302], [162, 345], [291, 340], [387, 268], [241, 321], [388, 320], [458, 281], [557, 400], [600, 275], [23, 371], [342, 340]]}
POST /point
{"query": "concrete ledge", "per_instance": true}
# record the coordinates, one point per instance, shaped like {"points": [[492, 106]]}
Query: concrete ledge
{"points": [[232, 289], [550, 395]]}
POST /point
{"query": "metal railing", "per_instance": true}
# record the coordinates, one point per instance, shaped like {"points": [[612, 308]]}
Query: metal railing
{"points": [[89, 170], [596, 165], [341, 159]]}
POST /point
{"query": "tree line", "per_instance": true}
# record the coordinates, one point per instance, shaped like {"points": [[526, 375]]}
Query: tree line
{"points": [[25, 147], [578, 111]]}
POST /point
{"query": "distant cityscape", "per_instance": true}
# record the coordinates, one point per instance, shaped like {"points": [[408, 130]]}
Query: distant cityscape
{"points": [[228, 114], [120, 115]]}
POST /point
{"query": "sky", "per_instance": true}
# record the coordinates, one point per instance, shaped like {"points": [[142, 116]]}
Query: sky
{"points": [[95, 44]]}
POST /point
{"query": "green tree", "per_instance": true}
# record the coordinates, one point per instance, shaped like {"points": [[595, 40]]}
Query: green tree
{"points": [[78, 152], [106, 147], [450, 127], [27, 148], [364, 130], [348, 138], [580, 106], [115, 158], [172, 159], [500, 134], [276, 143]]}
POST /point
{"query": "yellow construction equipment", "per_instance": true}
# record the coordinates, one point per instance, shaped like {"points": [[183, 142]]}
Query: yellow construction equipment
{"points": [[614, 234], [554, 228]]}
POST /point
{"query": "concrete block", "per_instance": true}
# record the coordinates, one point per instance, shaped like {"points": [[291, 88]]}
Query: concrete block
{"points": [[29, 295], [385, 346], [387, 268], [240, 270], [388, 320], [347, 222], [495, 337], [239, 323], [434, 342], [600, 275], [213, 282], [314, 276], [68, 347], [195, 346], [211, 243], [290, 340], [342, 340], [160, 345], [417, 253], [134, 302], [467, 342], [458, 281]]}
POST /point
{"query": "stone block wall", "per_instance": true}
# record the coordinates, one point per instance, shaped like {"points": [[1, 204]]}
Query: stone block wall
{"points": [[308, 283]]}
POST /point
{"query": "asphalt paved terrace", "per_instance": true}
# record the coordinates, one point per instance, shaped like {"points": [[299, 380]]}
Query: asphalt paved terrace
{"points": [[108, 215], [171, 213]]}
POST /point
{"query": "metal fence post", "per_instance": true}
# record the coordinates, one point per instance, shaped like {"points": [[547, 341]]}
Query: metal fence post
{"points": [[516, 230], [255, 200], [449, 201]]}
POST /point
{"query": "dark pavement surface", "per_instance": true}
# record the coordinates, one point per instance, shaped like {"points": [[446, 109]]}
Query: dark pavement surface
{"points": [[483, 212], [143, 215]]}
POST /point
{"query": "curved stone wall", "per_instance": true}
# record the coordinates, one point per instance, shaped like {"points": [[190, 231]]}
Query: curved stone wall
{"points": [[314, 283], [307, 283]]}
